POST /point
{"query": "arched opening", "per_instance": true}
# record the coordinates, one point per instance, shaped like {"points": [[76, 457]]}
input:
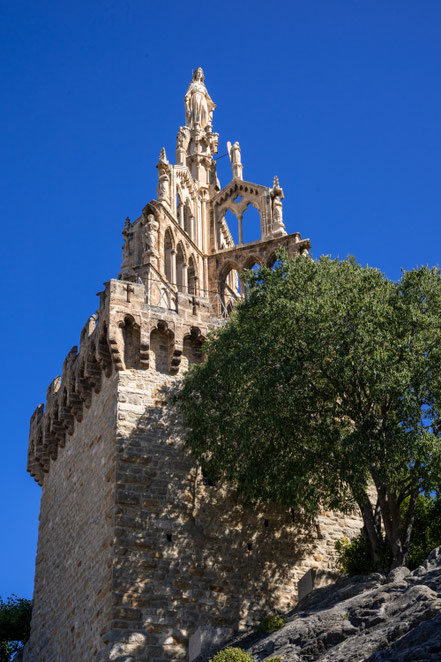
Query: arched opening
{"points": [[251, 229], [188, 219], [192, 277], [272, 261], [252, 264], [168, 247], [192, 352], [160, 350], [132, 339], [230, 288], [233, 225], [192, 349], [180, 269]]}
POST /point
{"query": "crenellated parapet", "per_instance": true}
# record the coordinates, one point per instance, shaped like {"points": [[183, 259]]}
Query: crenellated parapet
{"points": [[137, 326]]}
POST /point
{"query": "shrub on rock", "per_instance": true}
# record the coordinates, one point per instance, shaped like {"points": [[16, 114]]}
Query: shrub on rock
{"points": [[271, 623], [230, 654]]}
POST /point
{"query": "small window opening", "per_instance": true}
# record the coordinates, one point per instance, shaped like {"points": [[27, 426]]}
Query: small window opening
{"points": [[250, 546], [169, 537], [265, 523]]}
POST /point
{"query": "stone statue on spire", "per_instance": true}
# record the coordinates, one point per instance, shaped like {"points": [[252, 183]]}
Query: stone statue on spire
{"points": [[198, 104]]}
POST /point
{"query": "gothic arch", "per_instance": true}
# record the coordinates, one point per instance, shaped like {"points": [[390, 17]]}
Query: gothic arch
{"points": [[252, 261], [192, 348], [251, 223], [230, 286], [131, 334], [271, 261], [161, 348]]}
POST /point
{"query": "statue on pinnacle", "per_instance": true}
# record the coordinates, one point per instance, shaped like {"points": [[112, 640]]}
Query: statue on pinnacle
{"points": [[198, 104]]}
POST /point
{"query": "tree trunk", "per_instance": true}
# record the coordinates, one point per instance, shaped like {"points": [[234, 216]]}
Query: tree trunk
{"points": [[371, 530], [410, 516], [391, 516]]}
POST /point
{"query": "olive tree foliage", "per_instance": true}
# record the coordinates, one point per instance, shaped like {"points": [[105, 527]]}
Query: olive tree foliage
{"points": [[323, 390], [15, 624]]}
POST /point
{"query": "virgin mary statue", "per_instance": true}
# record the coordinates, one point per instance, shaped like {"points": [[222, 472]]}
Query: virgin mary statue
{"points": [[198, 103]]}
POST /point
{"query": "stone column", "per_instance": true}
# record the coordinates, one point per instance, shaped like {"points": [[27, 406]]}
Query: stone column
{"points": [[185, 278], [239, 218], [173, 266]]}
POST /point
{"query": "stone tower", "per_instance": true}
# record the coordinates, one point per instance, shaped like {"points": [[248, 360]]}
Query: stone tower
{"points": [[139, 556]]}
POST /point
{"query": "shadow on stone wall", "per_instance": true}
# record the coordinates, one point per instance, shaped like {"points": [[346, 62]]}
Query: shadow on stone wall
{"points": [[190, 553]]}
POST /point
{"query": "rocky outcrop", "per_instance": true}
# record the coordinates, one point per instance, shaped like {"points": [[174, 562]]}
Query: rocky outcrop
{"points": [[369, 618]]}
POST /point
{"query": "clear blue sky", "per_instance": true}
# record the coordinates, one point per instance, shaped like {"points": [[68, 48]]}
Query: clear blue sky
{"points": [[340, 98]]}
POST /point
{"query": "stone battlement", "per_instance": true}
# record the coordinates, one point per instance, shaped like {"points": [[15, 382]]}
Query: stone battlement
{"points": [[117, 337]]}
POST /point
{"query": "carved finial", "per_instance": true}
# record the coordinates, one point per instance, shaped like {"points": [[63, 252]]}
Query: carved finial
{"points": [[127, 225], [163, 156], [277, 190]]}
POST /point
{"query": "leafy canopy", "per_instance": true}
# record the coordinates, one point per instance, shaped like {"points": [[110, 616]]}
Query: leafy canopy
{"points": [[15, 623], [324, 381]]}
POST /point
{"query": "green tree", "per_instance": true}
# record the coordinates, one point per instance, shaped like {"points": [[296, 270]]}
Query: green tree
{"points": [[15, 624], [355, 557], [323, 388]]}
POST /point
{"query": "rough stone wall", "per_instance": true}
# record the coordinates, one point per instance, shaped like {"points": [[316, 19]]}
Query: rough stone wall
{"points": [[72, 594], [189, 554]]}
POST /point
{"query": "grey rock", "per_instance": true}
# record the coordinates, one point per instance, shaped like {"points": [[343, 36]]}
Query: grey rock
{"points": [[362, 619], [398, 574]]}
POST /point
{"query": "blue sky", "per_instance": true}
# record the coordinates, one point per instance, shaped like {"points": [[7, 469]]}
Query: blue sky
{"points": [[340, 98]]}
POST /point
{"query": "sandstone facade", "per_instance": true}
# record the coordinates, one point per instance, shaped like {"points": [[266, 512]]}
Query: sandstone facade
{"points": [[136, 549]]}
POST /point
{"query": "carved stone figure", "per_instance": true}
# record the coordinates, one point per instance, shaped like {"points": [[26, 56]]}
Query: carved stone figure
{"points": [[278, 213], [235, 158], [150, 237], [182, 142], [183, 138], [126, 245], [163, 189], [278, 227], [198, 104]]}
